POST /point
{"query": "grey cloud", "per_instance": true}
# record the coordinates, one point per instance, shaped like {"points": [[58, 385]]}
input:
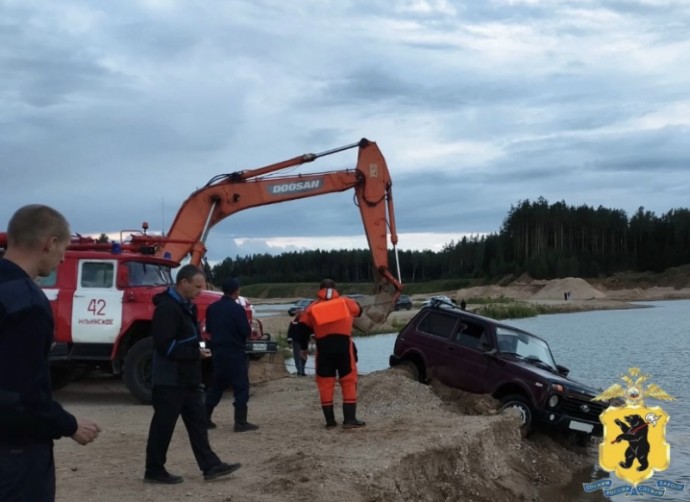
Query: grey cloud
{"points": [[120, 124]]}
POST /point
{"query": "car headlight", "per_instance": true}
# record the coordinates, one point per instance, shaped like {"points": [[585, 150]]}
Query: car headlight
{"points": [[553, 401]]}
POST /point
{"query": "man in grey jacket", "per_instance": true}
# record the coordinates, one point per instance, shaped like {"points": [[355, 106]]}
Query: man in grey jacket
{"points": [[177, 380]]}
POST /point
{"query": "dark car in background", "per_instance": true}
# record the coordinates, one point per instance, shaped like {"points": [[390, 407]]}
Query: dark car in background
{"points": [[481, 355], [299, 306], [404, 302]]}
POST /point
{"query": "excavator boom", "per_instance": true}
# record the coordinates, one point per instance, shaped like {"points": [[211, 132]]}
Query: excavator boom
{"points": [[227, 194]]}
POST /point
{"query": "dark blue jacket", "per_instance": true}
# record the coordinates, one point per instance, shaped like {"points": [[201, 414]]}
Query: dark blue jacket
{"points": [[28, 414], [175, 331], [226, 321]]}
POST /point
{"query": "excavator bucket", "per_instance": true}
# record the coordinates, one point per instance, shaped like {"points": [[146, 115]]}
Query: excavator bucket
{"points": [[375, 311]]}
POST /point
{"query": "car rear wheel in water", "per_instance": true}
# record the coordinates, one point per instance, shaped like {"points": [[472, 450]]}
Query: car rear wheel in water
{"points": [[137, 371], [522, 407]]}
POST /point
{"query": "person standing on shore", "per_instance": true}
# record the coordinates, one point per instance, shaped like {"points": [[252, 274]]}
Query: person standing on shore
{"points": [[37, 238], [298, 335], [330, 318], [227, 323], [176, 377]]}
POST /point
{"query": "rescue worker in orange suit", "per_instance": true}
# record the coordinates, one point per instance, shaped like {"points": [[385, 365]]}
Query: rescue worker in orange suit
{"points": [[330, 318]]}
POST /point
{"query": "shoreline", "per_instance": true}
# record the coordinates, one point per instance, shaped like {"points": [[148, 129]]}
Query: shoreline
{"points": [[277, 324]]}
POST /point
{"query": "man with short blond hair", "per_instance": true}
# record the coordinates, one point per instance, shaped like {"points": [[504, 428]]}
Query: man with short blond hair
{"points": [[37, 238]]}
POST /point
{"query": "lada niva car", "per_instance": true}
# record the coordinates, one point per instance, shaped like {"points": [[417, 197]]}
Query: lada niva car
{"points": [[481, 355]]}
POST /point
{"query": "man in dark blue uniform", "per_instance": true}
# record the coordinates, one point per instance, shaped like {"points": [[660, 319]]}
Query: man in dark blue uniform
{"points": [[227, 323], [37, 238]]}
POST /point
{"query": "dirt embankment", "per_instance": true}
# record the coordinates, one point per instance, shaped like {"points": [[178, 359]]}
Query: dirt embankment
{"points": [[574, 289], [421, 443]]}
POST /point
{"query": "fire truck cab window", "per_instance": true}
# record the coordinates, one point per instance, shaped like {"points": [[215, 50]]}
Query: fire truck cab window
{"points": [[97, 275], [148, 274]]}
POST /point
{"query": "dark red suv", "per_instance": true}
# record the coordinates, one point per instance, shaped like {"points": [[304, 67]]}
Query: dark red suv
{"points": [[481, 355]]}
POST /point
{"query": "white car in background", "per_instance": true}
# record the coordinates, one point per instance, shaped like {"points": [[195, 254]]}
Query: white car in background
{"points": [[441, 298]]}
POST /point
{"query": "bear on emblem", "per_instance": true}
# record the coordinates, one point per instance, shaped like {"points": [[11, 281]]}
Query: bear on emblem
{"points": [[635, 433]]}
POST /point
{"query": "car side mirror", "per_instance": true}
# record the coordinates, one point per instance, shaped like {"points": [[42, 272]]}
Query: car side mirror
{"points": [[562, 370]]}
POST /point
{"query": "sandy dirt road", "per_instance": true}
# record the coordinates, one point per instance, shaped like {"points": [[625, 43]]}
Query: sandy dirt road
{"points": [[421, 443]]}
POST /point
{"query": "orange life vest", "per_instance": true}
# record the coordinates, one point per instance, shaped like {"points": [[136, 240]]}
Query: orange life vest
{"points": [[331, 314]]}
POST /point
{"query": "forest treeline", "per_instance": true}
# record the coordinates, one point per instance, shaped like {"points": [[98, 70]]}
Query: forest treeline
{"points": [[545, 240]]}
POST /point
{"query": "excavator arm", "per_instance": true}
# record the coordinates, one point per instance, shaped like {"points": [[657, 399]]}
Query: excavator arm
{"points": [[227, 194]]}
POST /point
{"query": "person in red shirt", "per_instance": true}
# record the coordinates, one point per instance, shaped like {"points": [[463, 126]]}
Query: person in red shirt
{"points": [[330, 318]]}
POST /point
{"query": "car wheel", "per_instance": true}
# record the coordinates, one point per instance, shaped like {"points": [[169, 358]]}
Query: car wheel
{"points": [[410, 369], [520, 404]]}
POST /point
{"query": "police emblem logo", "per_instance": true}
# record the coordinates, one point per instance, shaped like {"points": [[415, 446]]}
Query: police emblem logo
{"points": [[634, 445]]}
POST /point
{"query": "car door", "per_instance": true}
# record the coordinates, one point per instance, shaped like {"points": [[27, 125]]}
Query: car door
{"points": [[435, 330], [471, 361], [97, 304]]}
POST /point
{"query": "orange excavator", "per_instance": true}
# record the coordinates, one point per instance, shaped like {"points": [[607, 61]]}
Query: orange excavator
{"points": [[226, 194]]}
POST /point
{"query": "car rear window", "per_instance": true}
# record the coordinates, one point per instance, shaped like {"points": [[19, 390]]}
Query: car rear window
{"points": [[438, 324]]}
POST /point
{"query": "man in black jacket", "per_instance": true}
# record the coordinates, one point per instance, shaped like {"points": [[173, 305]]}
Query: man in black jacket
{"points": [[30, 420], [177, 380], [298, 335], [227, 323]]}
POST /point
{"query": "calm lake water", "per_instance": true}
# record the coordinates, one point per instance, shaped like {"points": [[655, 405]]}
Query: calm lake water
{"points": [[598, 347]]}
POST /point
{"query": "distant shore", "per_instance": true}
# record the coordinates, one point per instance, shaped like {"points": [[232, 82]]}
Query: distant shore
{"points": [[584, 297]]}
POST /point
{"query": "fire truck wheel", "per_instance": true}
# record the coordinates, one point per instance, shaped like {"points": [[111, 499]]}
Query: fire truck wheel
{"points": [[137, 370]]}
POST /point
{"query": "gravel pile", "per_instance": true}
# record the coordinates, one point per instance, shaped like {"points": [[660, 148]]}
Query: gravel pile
{"points": [[392, 393]]}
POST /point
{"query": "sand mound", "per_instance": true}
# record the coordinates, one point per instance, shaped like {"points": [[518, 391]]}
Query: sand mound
{"points": [[579, 289], [525, 288], [515, 291]]}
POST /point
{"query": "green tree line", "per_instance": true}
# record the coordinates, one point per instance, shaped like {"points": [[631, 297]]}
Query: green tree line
{"points": [[544, 240]]}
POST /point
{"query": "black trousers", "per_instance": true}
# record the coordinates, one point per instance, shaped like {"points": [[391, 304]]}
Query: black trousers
{"points": [[230, 369], [168, 404], [27, 474]]}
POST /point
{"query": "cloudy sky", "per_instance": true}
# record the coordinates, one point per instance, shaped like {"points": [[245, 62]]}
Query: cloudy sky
{"points": [[114, 112]]}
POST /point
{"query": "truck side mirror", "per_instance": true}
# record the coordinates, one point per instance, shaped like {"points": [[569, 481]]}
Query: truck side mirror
{"points": [[562, 370]]}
